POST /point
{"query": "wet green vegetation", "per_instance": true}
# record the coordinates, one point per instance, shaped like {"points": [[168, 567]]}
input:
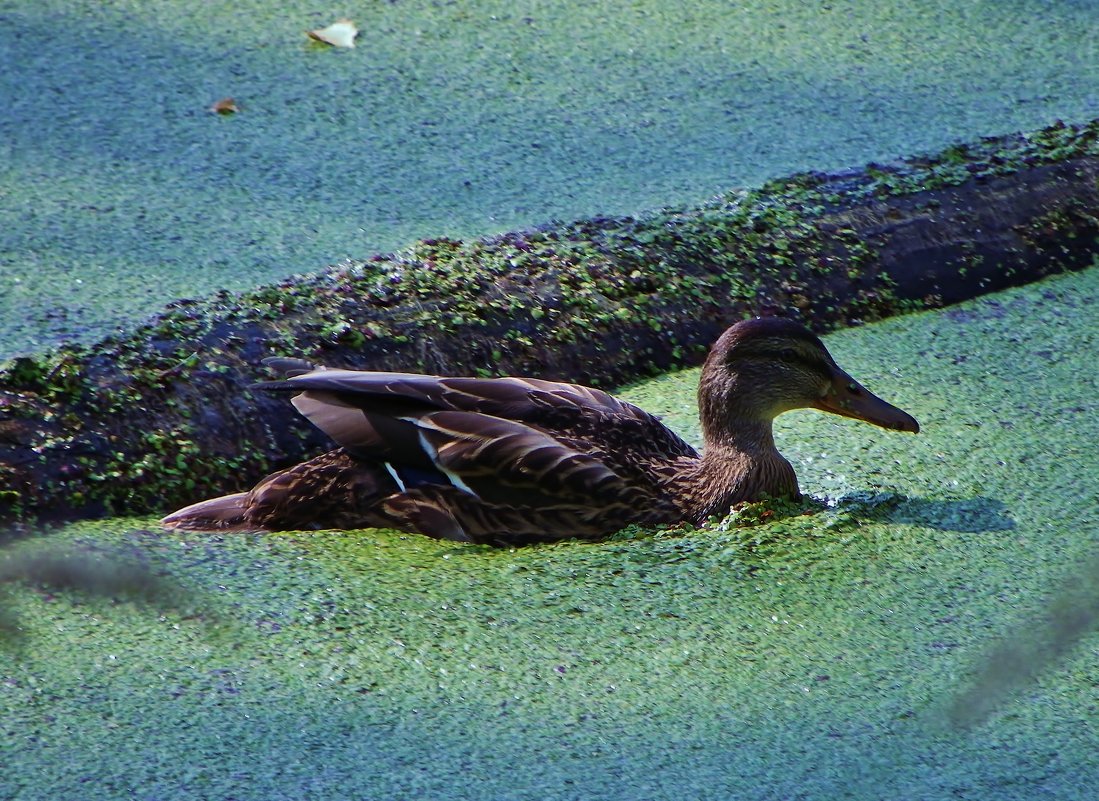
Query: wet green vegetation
{"points": [[122, 191], [813, 651]]}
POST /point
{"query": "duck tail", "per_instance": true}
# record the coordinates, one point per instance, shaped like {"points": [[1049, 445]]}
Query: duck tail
{"points": [[227, 513]]}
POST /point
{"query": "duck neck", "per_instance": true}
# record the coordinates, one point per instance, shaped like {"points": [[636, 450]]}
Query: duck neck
{"points": [[750, 436], [738, 464]]}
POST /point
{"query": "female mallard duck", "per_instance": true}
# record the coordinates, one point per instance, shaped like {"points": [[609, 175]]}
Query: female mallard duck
{"points": [[520, 460]]}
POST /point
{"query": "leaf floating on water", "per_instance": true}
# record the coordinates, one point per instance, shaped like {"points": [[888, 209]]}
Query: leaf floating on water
{"points": [[340, 33], [226, 105]]}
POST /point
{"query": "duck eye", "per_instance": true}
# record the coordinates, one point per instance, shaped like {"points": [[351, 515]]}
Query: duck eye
{"points": [[788, 354]]}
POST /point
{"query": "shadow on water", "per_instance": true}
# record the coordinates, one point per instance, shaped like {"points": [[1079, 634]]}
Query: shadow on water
{"points": [[966, 515]]}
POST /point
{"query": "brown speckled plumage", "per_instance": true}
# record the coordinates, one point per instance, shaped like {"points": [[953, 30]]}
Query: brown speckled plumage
{"points": [[520, 460]]}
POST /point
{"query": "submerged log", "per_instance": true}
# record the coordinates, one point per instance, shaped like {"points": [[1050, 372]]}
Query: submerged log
{"points": [[147, 420]]}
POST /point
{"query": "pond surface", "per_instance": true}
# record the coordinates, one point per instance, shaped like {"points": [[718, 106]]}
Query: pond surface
{"points": [[120, 190], [822, 656]]}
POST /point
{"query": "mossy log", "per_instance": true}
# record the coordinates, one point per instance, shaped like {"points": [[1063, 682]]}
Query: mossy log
{"points": [[162, 415]]}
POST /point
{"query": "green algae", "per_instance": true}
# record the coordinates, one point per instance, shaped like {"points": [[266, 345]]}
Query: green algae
{"points": [[123, 192], [806, 655]]}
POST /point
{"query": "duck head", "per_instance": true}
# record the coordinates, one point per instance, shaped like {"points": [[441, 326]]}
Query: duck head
{"points": [[760, 368]]}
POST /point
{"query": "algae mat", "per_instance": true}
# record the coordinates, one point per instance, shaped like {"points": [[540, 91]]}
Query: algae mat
{"points": [[119, 190], [809, 657]]}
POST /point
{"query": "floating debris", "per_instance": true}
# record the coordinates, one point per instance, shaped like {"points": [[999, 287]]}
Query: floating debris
{"points": [[225, 106], [340, 33]]}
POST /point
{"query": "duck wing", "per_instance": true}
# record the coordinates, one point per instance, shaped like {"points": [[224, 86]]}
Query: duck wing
{"points": [[522, 442]]}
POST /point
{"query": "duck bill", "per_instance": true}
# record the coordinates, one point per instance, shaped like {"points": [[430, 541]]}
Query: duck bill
{"points": [[849, 398]]}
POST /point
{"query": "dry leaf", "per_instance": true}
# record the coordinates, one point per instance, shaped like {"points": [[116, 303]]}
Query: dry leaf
{"points": [[226, 105], [340, 33]]}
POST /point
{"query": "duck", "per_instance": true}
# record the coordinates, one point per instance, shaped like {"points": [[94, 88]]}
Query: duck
{"points": [[512, 461]]}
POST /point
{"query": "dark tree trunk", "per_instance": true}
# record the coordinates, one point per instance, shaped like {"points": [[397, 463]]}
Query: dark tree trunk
{"points": [[150, 419]]}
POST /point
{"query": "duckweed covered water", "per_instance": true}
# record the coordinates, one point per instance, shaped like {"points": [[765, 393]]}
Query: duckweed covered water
{"points": [[122, 191], [815, 656]]}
